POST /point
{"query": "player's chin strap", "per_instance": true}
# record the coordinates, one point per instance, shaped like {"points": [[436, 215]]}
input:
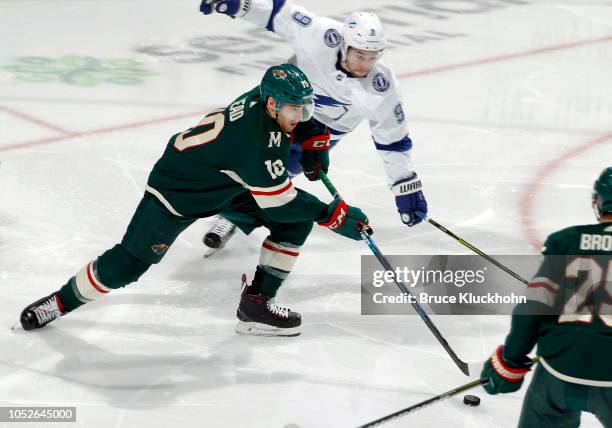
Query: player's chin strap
{"points": [[472, 247], [432, 400], [597, 209], [365, 233], [344, 64]]}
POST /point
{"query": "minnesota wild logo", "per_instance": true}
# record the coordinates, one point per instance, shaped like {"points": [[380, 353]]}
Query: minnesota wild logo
{"points": [[79, 70], [279, 74], [159, 248]]}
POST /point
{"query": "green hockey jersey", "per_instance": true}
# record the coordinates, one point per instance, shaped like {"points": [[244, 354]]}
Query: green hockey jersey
{"points": [[575, 282], [231, 151]]}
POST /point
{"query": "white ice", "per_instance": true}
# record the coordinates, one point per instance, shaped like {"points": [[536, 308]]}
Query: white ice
{"points": [[509, 104]]}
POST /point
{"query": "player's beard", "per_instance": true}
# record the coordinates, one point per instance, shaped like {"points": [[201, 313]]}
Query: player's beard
{"points": [[359, 72], [286, 125]]}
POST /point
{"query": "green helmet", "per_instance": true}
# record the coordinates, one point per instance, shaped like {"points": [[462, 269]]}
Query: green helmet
{"points": [[287, 84], [602, 193]]}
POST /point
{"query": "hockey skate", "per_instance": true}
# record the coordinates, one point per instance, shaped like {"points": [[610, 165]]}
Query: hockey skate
{"points": [[41, 312], [260, 316], [218, 235]]}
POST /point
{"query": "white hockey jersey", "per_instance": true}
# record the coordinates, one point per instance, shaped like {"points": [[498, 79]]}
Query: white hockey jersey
{"points": [[341, 102]]}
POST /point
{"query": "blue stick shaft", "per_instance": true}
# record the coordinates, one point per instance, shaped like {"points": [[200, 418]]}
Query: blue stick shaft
{"points": [[365, 235]]}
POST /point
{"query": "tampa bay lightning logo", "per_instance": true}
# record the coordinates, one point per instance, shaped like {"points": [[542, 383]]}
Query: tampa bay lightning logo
{"points": [[398, 112], [332, 38], [381, 82], [329, 106], [301, 19]]}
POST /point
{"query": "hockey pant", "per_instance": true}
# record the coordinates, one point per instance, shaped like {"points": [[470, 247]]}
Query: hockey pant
{"points": [[553, 403], [153, 229]]}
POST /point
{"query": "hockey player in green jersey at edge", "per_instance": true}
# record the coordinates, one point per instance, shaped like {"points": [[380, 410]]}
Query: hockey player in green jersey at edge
{"points": [[233, 162], [575, 345]]}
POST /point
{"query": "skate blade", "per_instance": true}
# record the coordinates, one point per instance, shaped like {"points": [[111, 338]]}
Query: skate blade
{"points": [[17, 326], [211, 252], [258, 329]]}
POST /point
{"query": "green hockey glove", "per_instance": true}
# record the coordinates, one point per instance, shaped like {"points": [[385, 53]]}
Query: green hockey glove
{"points": [[505, 375]]}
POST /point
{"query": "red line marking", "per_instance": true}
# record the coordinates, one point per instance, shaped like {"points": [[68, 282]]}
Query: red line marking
{"points": [[504, 57], [526, 201], [533, 187], [96, 131], [35, 120], [401, 76]]}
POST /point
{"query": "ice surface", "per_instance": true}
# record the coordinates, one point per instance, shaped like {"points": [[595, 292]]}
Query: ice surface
{"points": [[509, 105]]}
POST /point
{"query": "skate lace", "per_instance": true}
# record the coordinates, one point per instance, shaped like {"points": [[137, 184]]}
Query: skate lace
{"points": [[47, 311], [277, 310], [222, 227]]}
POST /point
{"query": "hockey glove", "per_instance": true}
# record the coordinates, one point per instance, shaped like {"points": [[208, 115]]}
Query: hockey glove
{"points": [[313, 137], [409, 199], [233, 8], [344, 219], [505, 374]]}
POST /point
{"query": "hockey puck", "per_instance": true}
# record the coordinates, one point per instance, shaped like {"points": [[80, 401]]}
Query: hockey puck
{"points": [[471, 400]]}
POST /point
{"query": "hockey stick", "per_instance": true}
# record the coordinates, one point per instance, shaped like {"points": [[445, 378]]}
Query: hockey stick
{"points": [[432, 400], [365, 235], [427, 402], [471, 247]]}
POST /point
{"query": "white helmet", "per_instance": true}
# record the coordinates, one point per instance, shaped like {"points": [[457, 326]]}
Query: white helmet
{"points": [[363, 30]]}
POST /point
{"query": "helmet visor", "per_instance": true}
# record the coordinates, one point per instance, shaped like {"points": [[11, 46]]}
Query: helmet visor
{"points": [[298, 112]]}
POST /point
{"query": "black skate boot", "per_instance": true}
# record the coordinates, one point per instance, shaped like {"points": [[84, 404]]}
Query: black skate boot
{"points": [[42, 312], [218, 235], [260, 316]]}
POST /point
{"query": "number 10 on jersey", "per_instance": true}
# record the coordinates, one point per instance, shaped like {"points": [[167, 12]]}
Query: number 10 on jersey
{"points": [[276, 168]]}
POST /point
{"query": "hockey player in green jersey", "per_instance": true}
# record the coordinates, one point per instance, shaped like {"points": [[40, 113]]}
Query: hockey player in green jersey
{"points": [[574, 282], [233, 162]]}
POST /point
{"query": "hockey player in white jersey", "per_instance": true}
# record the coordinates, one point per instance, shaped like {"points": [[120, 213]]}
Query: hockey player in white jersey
{"points": [[350, 84]]}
